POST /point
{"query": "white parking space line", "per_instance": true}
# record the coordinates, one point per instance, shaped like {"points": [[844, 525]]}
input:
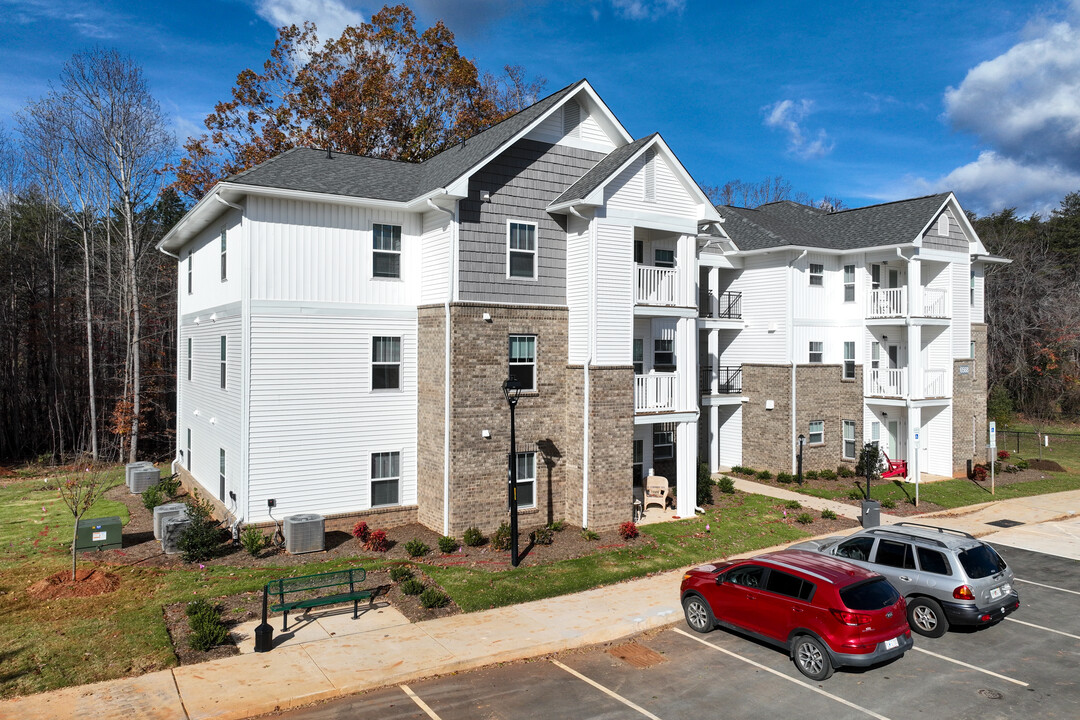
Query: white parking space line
{"points": [[777, 673], [1040, 627], [1051, 587], [422, 705], [972, 667], [603, 689]]}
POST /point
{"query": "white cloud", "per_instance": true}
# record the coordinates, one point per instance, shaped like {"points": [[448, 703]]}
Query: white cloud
{"points": [[787, 115], [647, 9], [329, 16]]}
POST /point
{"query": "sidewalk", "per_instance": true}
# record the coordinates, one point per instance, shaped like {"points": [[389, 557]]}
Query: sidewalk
{"points": [[345, 656]]}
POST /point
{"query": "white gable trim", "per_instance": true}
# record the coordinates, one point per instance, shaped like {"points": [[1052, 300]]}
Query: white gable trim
{"points": [[961, 219]]}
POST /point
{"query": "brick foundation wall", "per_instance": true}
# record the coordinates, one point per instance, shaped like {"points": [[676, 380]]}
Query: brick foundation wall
{"points": [[766, 434], [969, 400], [430, 416], [611, 446]]}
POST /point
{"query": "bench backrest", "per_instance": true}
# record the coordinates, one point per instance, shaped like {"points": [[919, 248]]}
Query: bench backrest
{"points": [[351, 577]]}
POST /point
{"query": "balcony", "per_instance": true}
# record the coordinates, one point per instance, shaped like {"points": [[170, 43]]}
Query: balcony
{"points": [[656, 286], [721, 380], [656, 392], [726, 307], [935, 303], [893, 383], [893, 303]]}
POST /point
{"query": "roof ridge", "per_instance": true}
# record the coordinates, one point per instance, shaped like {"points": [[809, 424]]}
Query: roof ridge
{"points": [[263, 164], [891, 202]]}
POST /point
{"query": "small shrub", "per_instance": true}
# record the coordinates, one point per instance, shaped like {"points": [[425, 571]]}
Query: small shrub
{"points": [[811, 474], [448, 544], [412, 586], [200, 540], [434, 598], [856, 495], [726, 484], [628, 530], [793, 505], [1003, 455], [170, 485], [543, 536], [743, 470], [500, 539], [804, 518], [473, 537], [888, 503], [826, 475], [827, 514], [207, 629], [587, 534], [764, 475], [558, 525], [416, 548], [980, 473], [377, 541], [785, 478], [400, 573], [254, 540], [152, 497], [199, 607], [361, 531], [845, 472], [704, 485], [1022, 464]]}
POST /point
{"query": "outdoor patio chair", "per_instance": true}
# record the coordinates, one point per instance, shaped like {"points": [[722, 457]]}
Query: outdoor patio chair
{"points": [[656, 492]]}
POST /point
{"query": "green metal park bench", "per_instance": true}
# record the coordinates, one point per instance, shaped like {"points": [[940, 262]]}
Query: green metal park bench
{"points": [[302, 592]]}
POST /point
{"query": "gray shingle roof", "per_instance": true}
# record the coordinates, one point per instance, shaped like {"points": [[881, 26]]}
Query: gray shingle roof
{"points": [[787, 223], [602, 171], [309, 169]]}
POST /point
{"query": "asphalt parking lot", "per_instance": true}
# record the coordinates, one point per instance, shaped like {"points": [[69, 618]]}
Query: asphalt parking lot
{"points": [[1026, 666]]}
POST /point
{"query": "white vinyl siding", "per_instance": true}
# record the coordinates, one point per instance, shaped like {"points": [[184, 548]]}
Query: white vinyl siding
{"points": [[586, 132], [764, 286], [435, 266], [614, 323], [626, 190], [936, 437], [578, 296], [963, 313], [205, 266], [224, 260], [730, 435]]}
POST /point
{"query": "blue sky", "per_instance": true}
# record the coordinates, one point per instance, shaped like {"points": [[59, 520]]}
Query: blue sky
{"points": [[865, 101]]}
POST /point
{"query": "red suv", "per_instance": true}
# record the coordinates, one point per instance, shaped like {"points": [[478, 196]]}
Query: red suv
{"points": [[826, 612]]}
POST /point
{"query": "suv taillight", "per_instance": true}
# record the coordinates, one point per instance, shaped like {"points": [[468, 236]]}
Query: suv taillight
{"points": [[850, 618], [963, 593]]}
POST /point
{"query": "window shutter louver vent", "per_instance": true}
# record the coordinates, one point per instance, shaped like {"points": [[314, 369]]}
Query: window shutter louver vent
{"points": [[572, 119], [650, 174]]}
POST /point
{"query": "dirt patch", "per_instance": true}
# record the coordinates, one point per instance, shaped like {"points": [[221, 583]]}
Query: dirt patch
{"points": [[87, 583], [1045, 466]]}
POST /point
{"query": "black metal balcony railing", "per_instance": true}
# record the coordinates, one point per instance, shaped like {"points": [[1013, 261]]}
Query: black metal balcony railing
{"points": [[728, 380], [726, 307]]}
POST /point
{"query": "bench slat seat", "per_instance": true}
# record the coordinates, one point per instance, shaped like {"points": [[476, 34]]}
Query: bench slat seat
{"points": [[351, 579], [325, 600]]}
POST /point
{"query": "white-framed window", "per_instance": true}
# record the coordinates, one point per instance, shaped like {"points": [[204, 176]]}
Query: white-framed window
{"points": [[663, 444], [221, 474], [523, 360], [943, 225], [224, 359], [385, 363], [663, 352], [664, 258], [385, 251], [189, 359], [972, 350], [650, 175], [971, 293], [817, 275], [639, 356], [385, 478], [520, 249], [224, 263], [875, 432], [526, 480], [187, 457], [875, 277], [639, 252], [875, 355], [849, 283], [849, 360], [816, 432], [190, 271], [817, 351], [639, 461], [849, 439]]}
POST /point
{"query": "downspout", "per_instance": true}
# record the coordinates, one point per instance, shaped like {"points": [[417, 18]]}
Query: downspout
{"points": [[451, 265], [794, 368]]}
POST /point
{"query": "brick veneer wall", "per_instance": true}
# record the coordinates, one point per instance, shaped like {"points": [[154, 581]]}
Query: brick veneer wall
{"points": [[969, 400], [821, 394], [430, 416], [611, 446]]}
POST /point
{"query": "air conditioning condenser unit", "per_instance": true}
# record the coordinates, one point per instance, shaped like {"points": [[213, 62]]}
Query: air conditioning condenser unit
{"points": [[304, 533]]}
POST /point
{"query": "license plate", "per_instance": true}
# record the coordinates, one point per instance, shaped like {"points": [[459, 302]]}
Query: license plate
{"points": [[995, 593], [892, 644]]}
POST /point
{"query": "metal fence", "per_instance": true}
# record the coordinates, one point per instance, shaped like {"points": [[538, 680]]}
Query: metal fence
{"points": [[1027, 443]]}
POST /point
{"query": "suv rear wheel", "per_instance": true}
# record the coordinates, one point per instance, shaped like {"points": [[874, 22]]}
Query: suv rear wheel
{"points": [[811, 658], [926, 617], [698, 614]]}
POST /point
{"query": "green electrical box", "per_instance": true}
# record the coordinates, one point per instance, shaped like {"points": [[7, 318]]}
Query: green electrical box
{"points": [[99, 534]]}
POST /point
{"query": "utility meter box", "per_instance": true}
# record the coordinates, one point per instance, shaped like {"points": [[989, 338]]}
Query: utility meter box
{"points": [[99, 534]]}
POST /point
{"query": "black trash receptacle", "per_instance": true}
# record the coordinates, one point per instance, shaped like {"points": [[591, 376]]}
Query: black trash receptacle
{"points": [[871, 513]]}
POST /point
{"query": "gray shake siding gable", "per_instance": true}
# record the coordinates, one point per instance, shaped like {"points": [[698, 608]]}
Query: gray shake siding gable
{"points": [[522, 181]]}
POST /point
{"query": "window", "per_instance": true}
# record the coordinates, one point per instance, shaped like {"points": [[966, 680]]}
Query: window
{"points": [[747, 576], [849, 283], [849, 360], [817, 349], [784, 584], [663, 446], [932, 561], [523, 360], [971, 293], [526, 480], [943, 225], [224, 361], [817, 432], [650, 175], [385, 476], [190, 274], [385, 363], [639, 252], [972, 350], [639, 356], [895, 554], [521, 250], [224, 265], [221, 474], [817, 274], [385, 251], [663, 353], [856, 548], [849, 439], [664, 258], [875, 432], [875, 355], [875, 277], [189, 359], [639, 461], [188, 456]]}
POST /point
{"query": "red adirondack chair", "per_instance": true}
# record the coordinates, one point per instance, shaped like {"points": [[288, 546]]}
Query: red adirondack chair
{"points": [[897, 468]]}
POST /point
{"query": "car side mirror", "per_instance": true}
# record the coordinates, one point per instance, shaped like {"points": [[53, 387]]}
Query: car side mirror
{"points": [[721, 578]]}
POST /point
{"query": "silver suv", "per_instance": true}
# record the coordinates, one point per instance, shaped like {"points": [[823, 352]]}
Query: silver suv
{"points": [[947, 576]]}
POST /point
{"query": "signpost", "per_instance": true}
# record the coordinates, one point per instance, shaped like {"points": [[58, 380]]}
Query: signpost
{"points": [[993, 453]]}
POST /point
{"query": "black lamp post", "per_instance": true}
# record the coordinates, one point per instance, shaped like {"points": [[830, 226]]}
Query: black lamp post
{"points": [[802, 442], [511, 390]]}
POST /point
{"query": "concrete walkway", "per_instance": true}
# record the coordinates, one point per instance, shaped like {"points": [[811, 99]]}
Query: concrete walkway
{"points": [[336, 656]]}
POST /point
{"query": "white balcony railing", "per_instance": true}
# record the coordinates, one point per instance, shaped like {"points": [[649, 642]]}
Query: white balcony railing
{"points": [[935, 303], [656, 392], [935, 383], [656, 286], [886, 303], [886, 382]]}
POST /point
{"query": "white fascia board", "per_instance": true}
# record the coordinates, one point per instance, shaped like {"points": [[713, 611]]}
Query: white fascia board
{"points": [[203, 213], [990, 259], [821, 250]]}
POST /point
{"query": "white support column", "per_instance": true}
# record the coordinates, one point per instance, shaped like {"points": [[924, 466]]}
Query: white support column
{"points": [[686, 363], [688, 270], [916, 382], [686, 468], [714, 362], [914, 422]]}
